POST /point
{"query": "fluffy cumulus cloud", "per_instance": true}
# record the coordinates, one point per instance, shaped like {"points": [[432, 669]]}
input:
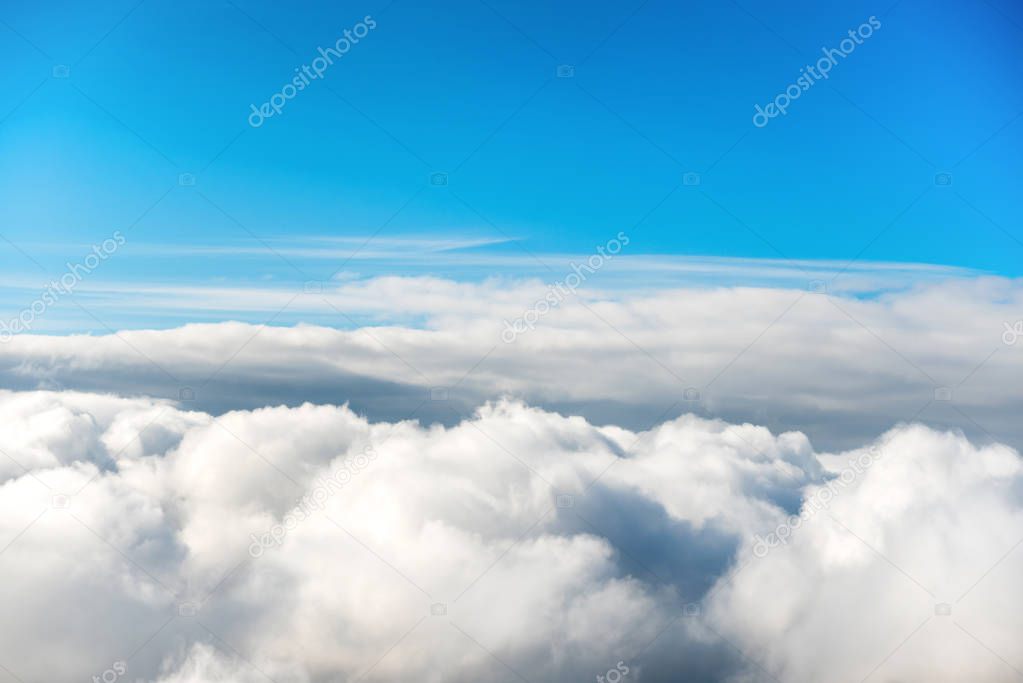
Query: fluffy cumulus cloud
{"points": [[307, 544], [912, 572]]}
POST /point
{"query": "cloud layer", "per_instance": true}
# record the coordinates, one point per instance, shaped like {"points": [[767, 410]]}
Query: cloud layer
{"points": [[841, 369], [307, 543]]}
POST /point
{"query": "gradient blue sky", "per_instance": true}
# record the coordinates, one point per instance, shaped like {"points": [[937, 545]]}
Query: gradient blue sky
{"points": [[556, 165]]}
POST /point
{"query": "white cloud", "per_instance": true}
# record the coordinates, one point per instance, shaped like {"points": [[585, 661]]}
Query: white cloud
{"points": [[934, 522], [467, 516], [840, 369]]}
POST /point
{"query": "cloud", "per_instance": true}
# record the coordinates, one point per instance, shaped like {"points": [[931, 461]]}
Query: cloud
{"points": [[919, 554], [839, 368], [514, 544]]}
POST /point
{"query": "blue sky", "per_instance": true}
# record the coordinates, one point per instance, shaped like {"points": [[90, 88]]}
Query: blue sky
{"points": [[535, 164]]}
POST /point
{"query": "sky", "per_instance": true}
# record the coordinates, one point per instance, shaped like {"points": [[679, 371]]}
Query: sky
{"points": [[637, 342], [537, 168]]}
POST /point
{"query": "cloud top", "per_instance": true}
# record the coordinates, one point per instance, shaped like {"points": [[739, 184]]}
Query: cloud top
{"points": [[307, 543]]}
